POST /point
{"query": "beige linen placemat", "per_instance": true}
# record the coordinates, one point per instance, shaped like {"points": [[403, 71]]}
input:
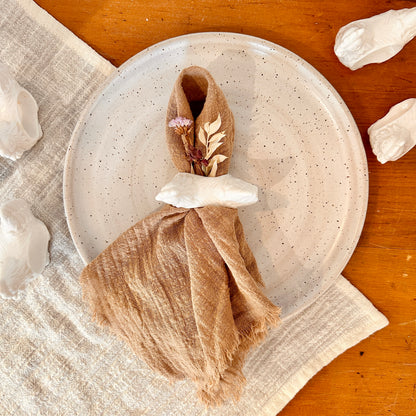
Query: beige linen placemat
{"points": [[53, 359]]}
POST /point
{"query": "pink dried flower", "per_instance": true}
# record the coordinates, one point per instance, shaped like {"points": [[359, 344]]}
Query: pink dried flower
{"points": [[180, 122]]}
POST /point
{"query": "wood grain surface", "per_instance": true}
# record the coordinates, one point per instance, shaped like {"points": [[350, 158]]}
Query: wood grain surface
{"points": [[378, 376]]}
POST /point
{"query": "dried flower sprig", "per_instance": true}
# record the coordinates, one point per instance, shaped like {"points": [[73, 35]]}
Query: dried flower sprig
{"points": [[208, 164], [211, 141], [183, 127]]}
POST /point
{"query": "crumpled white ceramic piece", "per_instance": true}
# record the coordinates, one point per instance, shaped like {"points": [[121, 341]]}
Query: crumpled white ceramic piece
{"points": [[395, 134], [186, 190], [19, 125], [23, 247], [375, 39]]}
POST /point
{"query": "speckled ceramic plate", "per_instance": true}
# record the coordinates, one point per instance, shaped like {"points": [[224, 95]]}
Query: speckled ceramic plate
{"points": [[295, 139]]}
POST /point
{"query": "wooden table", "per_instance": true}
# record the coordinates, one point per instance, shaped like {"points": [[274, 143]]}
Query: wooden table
{"points": [[378, 376]]}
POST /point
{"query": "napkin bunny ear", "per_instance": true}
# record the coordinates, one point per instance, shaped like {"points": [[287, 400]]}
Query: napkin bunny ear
{"points": [[197, 97]]}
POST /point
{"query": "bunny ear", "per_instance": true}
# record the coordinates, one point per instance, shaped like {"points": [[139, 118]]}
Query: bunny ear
{"points": [[193, 82], [178, 106]]}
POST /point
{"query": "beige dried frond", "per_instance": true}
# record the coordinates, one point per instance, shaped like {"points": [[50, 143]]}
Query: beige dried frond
{"points": [[214, 126], [211, 139], [213, 164]]}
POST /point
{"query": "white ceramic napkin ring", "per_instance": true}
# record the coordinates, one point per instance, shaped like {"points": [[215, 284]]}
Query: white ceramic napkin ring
{"points": [[187, 190]]}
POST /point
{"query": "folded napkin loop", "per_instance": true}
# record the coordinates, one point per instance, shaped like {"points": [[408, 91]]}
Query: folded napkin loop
{"points": [[186, 190]]}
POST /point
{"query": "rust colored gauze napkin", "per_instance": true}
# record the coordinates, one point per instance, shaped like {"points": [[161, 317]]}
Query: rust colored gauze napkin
{"points": [[182, 286]]}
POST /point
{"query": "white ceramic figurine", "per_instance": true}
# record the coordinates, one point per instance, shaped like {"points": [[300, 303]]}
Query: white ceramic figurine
{"points": [[19, 125], [375, 39], [23, 246], [395, 134]]}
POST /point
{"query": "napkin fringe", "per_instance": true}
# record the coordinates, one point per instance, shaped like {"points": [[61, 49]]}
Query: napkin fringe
{"points": [[228, 380]]}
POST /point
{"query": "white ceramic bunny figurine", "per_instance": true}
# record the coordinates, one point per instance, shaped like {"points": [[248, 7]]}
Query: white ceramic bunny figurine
{"points": [[23, 246], [395, 134], [19, 125], [375, 39]]}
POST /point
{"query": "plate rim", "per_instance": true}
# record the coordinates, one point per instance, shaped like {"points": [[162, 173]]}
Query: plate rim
{"points": [[363, 179]]}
